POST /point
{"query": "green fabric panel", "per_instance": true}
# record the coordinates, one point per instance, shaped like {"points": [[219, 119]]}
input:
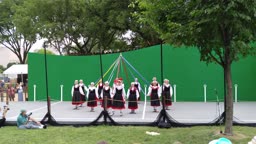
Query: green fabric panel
{"points": [[182, 66]]}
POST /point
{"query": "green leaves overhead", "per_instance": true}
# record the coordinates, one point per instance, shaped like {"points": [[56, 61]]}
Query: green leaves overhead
{"points": [[222, 30], [209, 25], [18, 39]]}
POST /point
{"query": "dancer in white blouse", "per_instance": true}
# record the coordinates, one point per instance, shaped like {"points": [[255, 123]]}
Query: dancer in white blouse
{"points": [[92, 96], [133, 95], [118, 97], [137, 85], [76, 92], [107, 92], [167, 93], [84, 89], [154, 91]]}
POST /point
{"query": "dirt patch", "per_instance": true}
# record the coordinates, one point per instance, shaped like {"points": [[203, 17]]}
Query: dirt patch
{"points": [[236, 135]]}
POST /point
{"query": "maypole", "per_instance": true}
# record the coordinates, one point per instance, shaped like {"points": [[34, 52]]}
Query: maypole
{"points": [[125, 70]]}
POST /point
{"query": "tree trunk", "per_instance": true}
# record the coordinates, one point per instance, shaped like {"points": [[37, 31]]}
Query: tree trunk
{"points": [[229, 100]]}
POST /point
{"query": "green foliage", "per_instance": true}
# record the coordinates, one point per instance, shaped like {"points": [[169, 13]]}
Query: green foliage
{"points": [[212, 26], [2, 68], [15, 35], [221, 30], [10, 64], [84, 26]]}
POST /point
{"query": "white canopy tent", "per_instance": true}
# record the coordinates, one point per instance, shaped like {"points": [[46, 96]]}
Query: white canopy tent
{"points": [[17, 69]]}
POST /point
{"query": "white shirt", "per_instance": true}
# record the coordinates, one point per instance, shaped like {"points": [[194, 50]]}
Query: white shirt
{"points": [[119, 88], [85, 88], [107, 88], [92, 88], [137, 92], [154, 87], [80, 89], [168, 85]]}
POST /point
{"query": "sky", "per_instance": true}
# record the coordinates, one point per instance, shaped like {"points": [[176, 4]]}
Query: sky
{"points": [[7, 55]]}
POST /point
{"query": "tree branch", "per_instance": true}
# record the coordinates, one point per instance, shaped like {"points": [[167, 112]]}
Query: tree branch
{"points": [[216, 60]]}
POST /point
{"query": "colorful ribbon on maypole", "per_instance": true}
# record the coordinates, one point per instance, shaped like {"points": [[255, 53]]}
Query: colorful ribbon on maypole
{"points": [[98, 81], [112, 73], [136, 71]]}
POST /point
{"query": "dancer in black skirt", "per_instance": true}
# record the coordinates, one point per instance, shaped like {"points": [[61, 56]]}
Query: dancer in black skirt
{"points": [[83, 92], [92, 96], [154, 91], [137, 85], [119, 97], [167, 93], [133, 95], [107, 92], [99, 90], [76, 96]]}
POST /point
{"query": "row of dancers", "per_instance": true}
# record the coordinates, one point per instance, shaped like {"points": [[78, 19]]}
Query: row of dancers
{"points": [[116, 95]]}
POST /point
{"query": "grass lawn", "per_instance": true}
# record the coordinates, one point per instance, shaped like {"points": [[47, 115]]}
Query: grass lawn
{"points": [[121, 135]]}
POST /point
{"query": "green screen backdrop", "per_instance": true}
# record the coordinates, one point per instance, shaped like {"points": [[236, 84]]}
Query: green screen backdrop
{"points": [[182, 66]]}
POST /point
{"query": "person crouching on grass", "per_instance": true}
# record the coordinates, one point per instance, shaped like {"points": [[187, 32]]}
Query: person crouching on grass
{"points": [[24, 121], [133, 95], [92, 96]]}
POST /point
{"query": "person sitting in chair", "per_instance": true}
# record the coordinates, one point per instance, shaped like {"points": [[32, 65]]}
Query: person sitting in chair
{"points": [[24, 121]]}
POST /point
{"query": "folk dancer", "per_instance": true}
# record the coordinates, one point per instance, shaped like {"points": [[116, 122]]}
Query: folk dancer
{"points": [[118, 97], [99, 88], [133, 95], [167, 93], [107, 92], [137, 85], [92, 96], [154, 91], [84, 89], [76, 92]]}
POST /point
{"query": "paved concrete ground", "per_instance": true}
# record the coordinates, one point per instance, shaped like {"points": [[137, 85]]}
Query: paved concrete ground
{"points": [[184, 112]]}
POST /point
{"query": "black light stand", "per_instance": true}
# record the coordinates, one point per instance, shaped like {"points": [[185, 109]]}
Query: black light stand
{"points": [[163, 119], [48, 118], [220, 116], [103, 113]]}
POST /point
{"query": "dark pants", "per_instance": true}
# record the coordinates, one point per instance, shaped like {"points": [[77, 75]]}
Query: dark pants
{"points": [[2, 121]]}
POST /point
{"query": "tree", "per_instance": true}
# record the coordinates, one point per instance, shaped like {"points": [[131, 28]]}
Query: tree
{"points": [[41, 51], [10, 64], [143, 33], [12, 37], [61, 22], [82, 27], [222, 30], [2, 68]]}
